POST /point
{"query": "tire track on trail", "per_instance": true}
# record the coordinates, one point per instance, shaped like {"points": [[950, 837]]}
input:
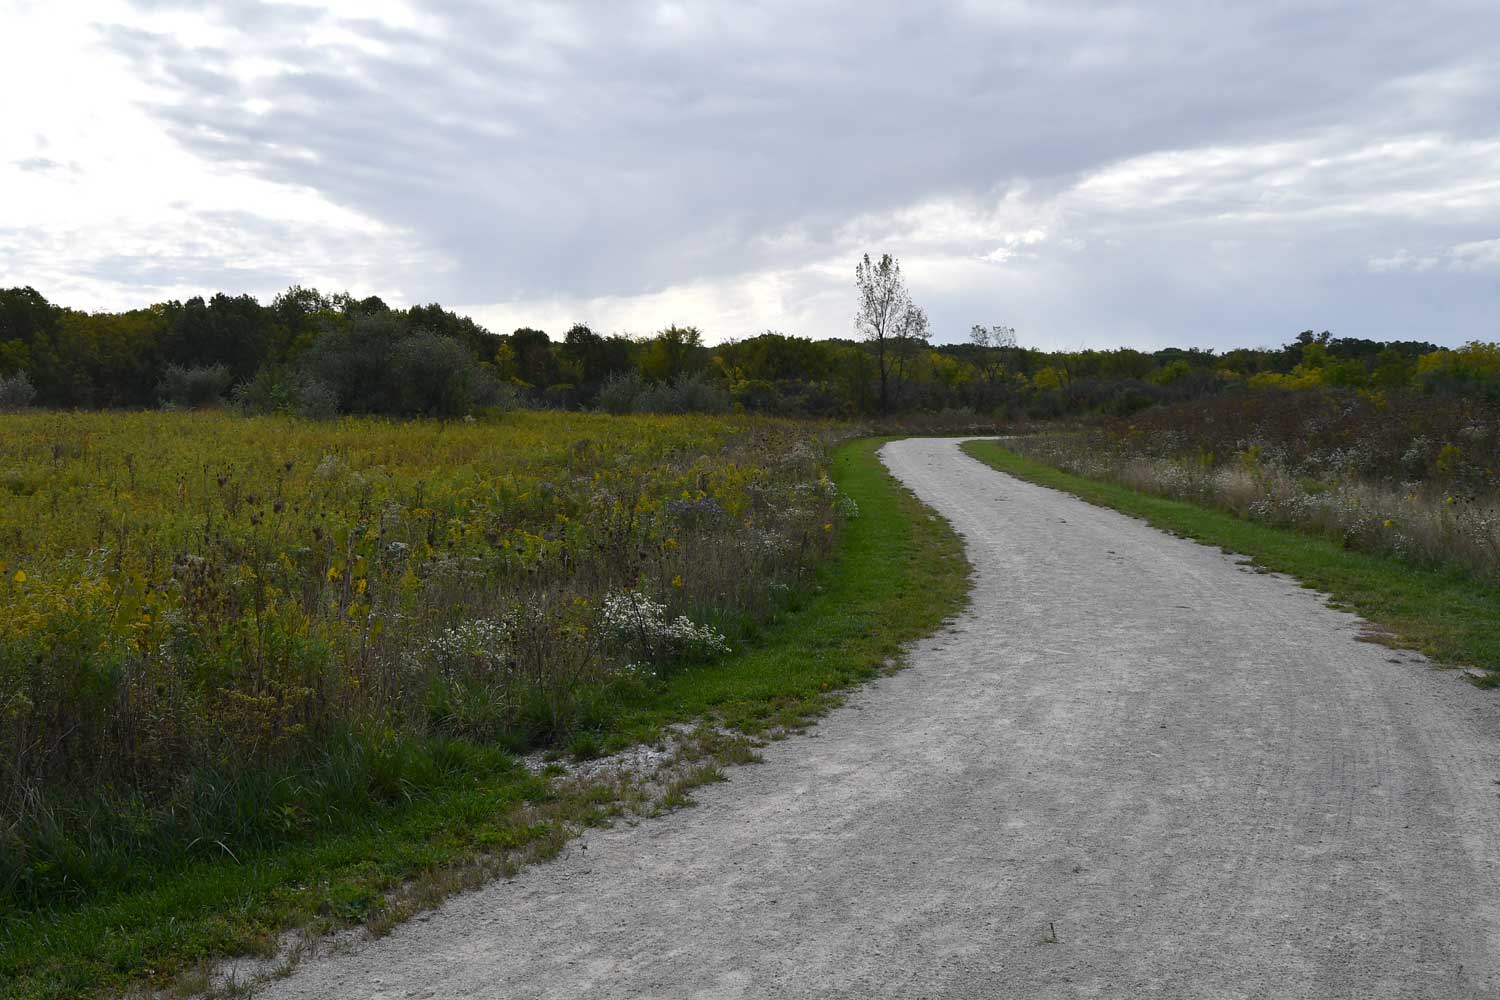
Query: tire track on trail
{"points": [[1194, 777]]}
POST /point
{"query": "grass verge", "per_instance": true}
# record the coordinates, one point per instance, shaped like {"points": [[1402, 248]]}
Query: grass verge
{"points": [[1446, 614], [899, 574]]}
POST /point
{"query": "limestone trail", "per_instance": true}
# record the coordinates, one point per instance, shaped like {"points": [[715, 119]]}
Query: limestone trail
{"points": [[1131, 768]]}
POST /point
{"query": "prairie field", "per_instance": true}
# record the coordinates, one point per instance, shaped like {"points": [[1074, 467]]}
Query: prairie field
{"points": [[219, 632]]}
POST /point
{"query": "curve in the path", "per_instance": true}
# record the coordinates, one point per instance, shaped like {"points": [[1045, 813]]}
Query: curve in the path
{"points": [[1133, 768]]}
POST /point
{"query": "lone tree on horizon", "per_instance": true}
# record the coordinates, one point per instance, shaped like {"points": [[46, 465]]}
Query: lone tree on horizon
{"points": [[887, 318], [991, 345]]}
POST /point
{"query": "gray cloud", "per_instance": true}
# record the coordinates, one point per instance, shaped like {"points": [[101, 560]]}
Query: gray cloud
{"points": [[579, 150], [39, 165]]}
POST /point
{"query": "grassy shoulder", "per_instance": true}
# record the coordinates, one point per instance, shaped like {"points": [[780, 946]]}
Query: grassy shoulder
{"points": [[1446, 614], [898, 575]]}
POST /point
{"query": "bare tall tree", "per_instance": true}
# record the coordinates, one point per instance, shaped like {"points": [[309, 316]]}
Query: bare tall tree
{"points": [[884, 305], [991, 343]]}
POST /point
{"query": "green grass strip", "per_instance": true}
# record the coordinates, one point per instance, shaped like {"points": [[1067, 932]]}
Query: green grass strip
{"points": [[1446, 614], [899, 574]]}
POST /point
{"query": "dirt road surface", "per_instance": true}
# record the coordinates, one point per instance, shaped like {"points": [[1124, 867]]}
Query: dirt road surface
{"points": [[1134, 768]]}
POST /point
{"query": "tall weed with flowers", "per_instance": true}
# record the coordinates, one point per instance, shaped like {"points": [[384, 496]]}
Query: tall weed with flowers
{"points": [[218, 632]]}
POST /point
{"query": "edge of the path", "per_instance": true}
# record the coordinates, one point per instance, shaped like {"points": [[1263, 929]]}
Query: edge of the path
{"points": [[1446, 614], [900, 573]]}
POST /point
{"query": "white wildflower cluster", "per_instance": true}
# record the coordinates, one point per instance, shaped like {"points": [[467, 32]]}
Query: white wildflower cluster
{"points": [[179, 642], [1415, 459], [801, 453], [1341, 461], [1338, 511], [464, 570], [823, 488], [632, 617], [393, 516], [478, 646], [770, 543], [828, 491], [331, 467]]}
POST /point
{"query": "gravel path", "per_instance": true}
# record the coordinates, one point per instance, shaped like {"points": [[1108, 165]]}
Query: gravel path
{"points": [[1132, 769]]}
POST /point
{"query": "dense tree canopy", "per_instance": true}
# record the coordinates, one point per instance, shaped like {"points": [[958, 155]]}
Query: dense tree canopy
{"points": [[320, 354]]}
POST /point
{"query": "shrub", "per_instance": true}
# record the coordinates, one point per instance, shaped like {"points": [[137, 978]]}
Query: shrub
{"points": [[375, 366], [693, 393], [284, 389], [194, 387], [315, 401], [619, 392], [16, 392], [432, 375]]}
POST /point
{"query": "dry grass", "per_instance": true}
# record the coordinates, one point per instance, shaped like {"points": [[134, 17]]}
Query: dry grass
{"points": [[1420, 498]]}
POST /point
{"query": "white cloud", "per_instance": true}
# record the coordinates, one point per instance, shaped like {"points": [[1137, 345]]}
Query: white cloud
{"points": [[1402, 260], [117, 213], [811, 300], [1480, 255], [1474, 256]]}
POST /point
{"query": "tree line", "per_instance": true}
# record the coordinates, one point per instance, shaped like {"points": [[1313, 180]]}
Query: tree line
{"points": [[314, 354]]}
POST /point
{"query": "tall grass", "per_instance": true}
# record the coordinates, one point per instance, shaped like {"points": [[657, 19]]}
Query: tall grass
{"points": [[1410, 477], [217, 633]]}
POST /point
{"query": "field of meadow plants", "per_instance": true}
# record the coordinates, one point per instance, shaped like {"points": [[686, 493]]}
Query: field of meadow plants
{"points": [[1404, 475], [219, 632]]}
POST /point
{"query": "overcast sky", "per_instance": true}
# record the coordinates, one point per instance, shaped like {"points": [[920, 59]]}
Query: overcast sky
{"points": [[1094, 174]]}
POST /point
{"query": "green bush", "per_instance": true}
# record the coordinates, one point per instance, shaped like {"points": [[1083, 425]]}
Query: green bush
{"points": [[628, 392], [16, 392], [194, 387]]}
